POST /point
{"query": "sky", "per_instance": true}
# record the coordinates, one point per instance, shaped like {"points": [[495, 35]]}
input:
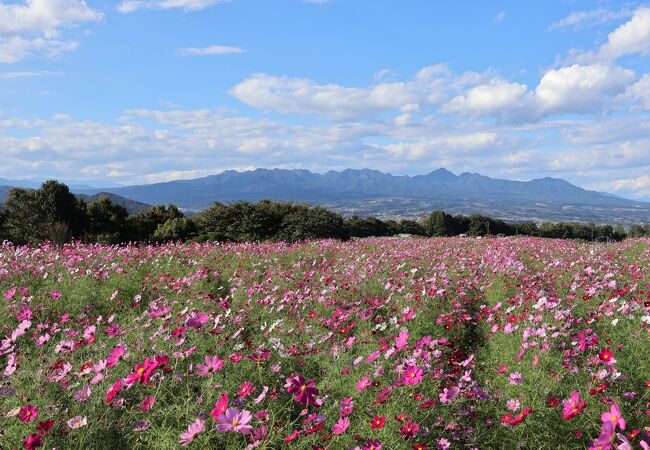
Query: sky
{"points": [[110, 93]]}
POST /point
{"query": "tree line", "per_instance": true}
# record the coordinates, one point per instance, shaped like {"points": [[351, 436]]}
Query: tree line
{"points": [[53, 213]]}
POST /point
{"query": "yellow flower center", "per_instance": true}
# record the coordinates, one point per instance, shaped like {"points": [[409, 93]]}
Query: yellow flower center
{"points": [[235, 422]]}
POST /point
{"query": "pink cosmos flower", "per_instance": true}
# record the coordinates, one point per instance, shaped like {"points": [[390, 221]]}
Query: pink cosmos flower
{"points": [[112, 392], [304, 392], [347, 406], [8, 295], [605, 437], [572, 406], [363, 383], [235, 421], [220, 407], [77, 422], [513, 405], [212, 364], [372, 444], [412, 375], [116, 354], [614, 416], [246, 389], [195, 428], [402, 339], [516, 378], [28, 413], [147, 403], [341, 426], [142, 372], [25, 313], [83, 394]]}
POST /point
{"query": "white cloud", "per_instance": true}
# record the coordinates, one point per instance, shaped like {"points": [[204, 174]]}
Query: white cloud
{"points": [[287, 95], [34, 27], [211, 50], [640, 186], [16, 48], [129, 6], [581, 89], [576, 89], [584, 19], [630, 38], [444, 145], [640, 92], [498, 97]]}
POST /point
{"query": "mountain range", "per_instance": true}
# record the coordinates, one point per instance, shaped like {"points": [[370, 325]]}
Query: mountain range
{"points": [[371, 192]]}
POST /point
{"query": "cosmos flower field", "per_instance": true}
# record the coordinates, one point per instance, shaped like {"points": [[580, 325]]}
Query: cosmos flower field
{"points": [[515, 343]]}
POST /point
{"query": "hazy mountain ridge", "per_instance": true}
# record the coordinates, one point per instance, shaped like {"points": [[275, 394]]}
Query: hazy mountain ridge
{"points": [[303, 185], [372, 192]]}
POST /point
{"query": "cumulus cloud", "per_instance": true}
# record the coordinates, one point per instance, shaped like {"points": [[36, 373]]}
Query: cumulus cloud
{"points": [[630, 38], [34, 27], [211, 50], [287, 95], [575, 89], [129, 6]]}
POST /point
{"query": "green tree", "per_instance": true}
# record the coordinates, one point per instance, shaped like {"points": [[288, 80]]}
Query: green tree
{"points": [[313, 223], [24, 216], [141, 227], [177, 229], [107, 221], [439, 223]]}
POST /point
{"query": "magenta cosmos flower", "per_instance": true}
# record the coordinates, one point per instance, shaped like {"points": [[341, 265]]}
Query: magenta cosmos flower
{"points": [[341, 426], [28, 413], [303, 392], [572, 406], [220, 407], [413, 375], [235, 420]]}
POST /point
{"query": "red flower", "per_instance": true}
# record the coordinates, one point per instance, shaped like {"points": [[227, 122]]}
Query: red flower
{"points": [[45, 426], [552, 402], [606, 355], [377, 422]]}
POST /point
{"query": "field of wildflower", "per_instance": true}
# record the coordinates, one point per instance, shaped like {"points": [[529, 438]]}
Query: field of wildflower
{"points": [[516, 343]]}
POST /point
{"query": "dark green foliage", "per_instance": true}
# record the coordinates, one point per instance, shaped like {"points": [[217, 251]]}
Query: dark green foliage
{"points": [[107, 221], [177, 229], [51, 213], [312, 223], [439, 223], [141, 227]]}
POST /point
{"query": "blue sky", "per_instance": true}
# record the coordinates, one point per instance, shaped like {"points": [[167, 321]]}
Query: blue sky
{"points": [[138, 91]]}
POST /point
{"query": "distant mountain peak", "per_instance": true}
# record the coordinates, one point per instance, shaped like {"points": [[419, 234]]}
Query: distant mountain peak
{"points": [[369, 191]]}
